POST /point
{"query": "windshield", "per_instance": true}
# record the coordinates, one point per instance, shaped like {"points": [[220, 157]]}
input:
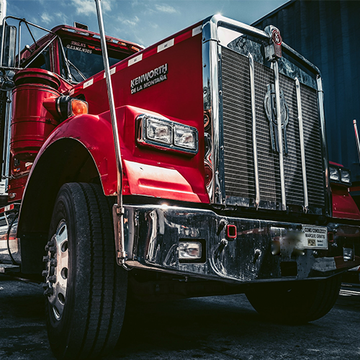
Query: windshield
{"points": [[85, 60]]}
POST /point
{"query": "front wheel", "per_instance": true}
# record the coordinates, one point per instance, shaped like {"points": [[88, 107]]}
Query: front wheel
{"points": [[297, 302], [86, 290]]}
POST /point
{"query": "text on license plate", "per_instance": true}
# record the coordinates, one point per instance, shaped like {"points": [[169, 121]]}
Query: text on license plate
{"points": [[314, 237]]}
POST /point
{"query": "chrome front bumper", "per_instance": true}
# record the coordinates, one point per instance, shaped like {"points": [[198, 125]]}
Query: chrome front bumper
{"points": [[262, 250]]}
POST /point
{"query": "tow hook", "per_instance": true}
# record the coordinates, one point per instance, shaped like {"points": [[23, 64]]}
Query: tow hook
{"points": [[220, 249]]}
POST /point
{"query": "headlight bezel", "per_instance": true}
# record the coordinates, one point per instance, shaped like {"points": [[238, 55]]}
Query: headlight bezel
{"points": [[334, 173], [343, 175], [145, 121]]}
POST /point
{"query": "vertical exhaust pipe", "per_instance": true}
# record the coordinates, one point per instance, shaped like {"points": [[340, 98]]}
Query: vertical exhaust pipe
{"points": [[118, 210]]}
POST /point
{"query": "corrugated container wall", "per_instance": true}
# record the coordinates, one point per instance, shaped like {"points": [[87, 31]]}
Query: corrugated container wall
{"points": [[327, 33]]}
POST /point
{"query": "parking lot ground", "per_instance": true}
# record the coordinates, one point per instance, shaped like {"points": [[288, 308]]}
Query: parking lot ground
{"points": [[218, 327]]}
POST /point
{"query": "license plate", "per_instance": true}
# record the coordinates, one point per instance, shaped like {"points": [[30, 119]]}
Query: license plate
{"points": [[314, 237]]}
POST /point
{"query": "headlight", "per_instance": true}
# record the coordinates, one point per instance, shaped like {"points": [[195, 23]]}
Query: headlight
{"points": [[159, 131], [334, 173], [185, 137], [340, 175], [166, 134], [345, 176]]}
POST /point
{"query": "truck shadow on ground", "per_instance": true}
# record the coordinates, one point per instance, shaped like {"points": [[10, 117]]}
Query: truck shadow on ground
{"points": [[219, 327], [212, 327]]}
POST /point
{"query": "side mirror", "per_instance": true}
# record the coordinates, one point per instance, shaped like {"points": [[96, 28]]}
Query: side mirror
{"points": [[8, 50]]}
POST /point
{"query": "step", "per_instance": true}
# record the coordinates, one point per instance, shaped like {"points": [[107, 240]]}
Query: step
{"points": [[9, 268]]}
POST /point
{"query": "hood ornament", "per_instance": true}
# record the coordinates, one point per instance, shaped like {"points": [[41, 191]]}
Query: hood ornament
{"points": [[270, 110]]}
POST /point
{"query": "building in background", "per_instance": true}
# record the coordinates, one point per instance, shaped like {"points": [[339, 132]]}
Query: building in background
{"points": [[327, 34]]}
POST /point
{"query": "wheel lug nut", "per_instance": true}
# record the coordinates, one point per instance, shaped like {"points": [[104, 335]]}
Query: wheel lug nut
{"points": [[49, 291], [53, 262], [52, 278], [45, 258], [44, 273], [52, 249]]}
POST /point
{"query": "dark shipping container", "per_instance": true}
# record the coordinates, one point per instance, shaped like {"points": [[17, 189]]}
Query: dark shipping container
{"points": [[327, 34]]}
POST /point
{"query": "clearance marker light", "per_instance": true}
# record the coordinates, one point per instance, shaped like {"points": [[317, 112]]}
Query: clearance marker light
{"points": [[231, 231]]}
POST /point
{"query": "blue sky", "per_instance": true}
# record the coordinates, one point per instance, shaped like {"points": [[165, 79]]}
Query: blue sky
{"points": [[141, 21]]}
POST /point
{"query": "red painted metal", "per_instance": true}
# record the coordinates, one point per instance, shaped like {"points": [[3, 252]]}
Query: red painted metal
{"points": [[31, 122], [343, 205], [334, 163], [147, 171], [159, 178], [184, 63]]}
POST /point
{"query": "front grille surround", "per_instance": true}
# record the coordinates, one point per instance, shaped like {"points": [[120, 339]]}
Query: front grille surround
{"points": [[236, 164]]}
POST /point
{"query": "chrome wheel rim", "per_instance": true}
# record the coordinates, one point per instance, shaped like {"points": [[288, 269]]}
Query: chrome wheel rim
{"points": [[57, 270]]}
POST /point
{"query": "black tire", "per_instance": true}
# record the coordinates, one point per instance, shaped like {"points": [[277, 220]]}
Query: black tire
{"points": [[295, 303], [86, 289]]}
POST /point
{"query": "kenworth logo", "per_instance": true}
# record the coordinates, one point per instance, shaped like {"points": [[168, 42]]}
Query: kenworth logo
{"points": [[148, 79]]}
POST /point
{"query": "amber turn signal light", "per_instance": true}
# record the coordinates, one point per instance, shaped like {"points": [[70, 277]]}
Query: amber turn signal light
{"points": [[67, 106], [79, 107]]}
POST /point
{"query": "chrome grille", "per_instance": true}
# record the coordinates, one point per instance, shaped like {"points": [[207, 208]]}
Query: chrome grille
{"points": [[239, 181]]}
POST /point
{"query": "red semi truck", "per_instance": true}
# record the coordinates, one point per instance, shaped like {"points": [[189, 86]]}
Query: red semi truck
{"points": [[214, 178]]}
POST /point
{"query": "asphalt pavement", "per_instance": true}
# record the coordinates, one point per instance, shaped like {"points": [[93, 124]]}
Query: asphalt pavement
{"points": [[218, 327]]}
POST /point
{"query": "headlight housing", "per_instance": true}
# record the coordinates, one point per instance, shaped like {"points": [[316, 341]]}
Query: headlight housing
{"points": [[340, 175], [345, 176], [334, 173], [166, 135], [158, 131]]}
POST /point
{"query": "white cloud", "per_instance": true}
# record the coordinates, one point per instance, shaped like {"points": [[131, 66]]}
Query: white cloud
{"points": [[165, 8], [46, 18], [88, 7], [62, 18], [131, 22], [106, 5]]}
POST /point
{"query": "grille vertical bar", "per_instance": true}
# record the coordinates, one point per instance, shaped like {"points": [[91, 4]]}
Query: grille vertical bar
{"points": [[238, 146], [253, 115]]}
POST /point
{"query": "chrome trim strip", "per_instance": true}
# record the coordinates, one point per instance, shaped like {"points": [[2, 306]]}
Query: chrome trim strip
{"points": [[357, 138], [2, 50], [302, 146], [213, 22], [320, 93], [19, 43], [314, 68], [253, 114], [211, 82], [275, 67]]}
